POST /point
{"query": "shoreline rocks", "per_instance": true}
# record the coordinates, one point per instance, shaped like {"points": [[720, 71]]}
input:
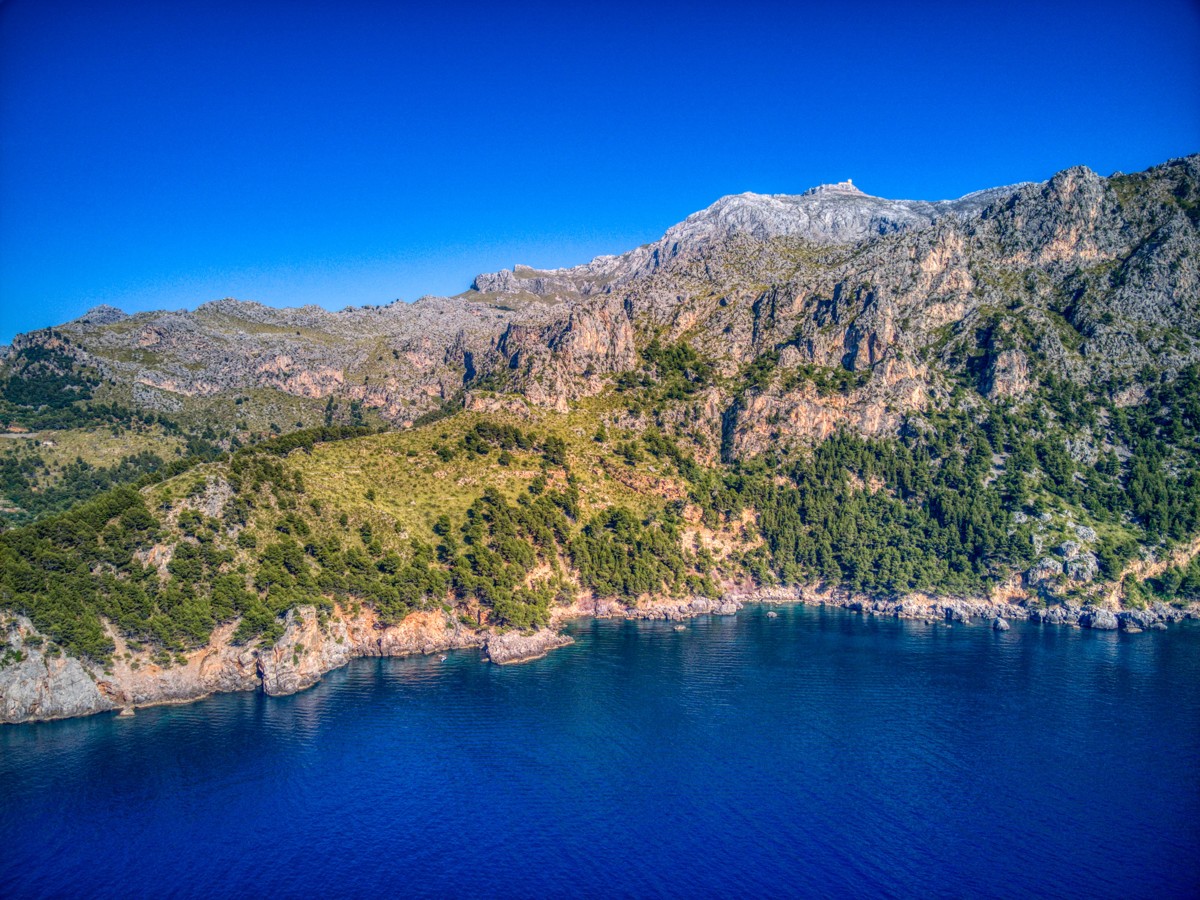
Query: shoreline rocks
{"points": [[515, 647], [669, 611], [963, 610], [43, 686]]}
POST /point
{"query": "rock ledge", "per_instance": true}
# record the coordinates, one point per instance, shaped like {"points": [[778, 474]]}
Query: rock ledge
{"points": [[515, 647]]}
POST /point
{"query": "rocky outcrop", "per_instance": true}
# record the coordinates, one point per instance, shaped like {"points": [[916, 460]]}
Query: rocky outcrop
{"points": [[568, 359], [515, 647], [1045, 570], [677, 610], [1008, 375], [965, 610], [1154, 617], [1098, 618], [42, 687], [869, 303], [1084, 567], [39, 688]]}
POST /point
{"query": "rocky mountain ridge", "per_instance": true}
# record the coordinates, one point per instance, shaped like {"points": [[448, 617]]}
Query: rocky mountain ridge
{"points": [[1080, 277]]}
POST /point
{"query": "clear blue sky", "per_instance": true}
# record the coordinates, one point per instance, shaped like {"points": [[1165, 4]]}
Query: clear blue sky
{"points": [[158, 155]]}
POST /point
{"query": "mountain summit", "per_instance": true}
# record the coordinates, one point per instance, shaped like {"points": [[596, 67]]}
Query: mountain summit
{"points": [[826, 214], [1090, 270]]}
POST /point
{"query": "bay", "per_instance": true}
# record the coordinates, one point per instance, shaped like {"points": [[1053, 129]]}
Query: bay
{"points": [[819, 753]]}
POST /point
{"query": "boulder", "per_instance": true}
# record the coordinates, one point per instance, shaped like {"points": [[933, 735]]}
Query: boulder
{"points": [[1083, 567], [999, 624], [1069, 549], [1137, 619], [1067, 614], [1099, 619], [955, 613], [1044, 570]]}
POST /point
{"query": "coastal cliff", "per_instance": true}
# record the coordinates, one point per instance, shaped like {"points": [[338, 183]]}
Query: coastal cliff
{"points": [[42, 687]]}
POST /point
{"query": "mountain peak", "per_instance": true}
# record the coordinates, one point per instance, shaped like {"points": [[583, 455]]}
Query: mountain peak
{"points": [[846, 188], [102, 315]]}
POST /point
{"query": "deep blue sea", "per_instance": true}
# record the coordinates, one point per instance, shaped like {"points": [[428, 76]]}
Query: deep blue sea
{"points": [[817, 754]]}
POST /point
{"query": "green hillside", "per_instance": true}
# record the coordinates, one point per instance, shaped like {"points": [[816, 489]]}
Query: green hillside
{"points": [[500, 517]]}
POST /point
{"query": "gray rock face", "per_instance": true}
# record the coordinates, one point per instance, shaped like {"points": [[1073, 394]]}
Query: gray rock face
{"points": [[1065, 614], [1153, 617], [43, 688], [830, 213], [1084, 567], [514, 647], [1044, 570], [1008, 375], [1069, 549], [1000, 624], [1099, 619], [674, 611], [832, 279]]}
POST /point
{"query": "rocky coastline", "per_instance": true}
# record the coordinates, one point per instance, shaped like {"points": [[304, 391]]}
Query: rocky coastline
{"points": [[43, 686], [965, 610]]}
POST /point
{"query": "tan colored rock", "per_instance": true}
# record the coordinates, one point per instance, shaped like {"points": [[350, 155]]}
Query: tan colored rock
{"points": [[1008, 375]]}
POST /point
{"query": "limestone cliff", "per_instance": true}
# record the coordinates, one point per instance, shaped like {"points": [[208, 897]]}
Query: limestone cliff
{"points": [[1081, 277], [40, 687]]}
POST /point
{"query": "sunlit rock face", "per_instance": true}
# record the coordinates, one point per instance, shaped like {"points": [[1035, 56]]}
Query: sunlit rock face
{"points": [[867, 309]]}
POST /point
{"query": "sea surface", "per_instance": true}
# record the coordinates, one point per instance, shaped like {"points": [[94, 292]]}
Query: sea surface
{"points": [[819, 753]]}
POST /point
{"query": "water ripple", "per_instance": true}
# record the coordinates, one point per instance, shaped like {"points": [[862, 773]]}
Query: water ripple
{"points": [[820, 753]]}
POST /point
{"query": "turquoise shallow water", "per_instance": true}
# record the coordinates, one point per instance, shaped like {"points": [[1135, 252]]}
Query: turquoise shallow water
{"points": [[819, 754]]}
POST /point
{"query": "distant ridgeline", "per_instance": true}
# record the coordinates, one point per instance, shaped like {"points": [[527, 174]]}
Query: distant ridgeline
{"points": [[997, 394]]}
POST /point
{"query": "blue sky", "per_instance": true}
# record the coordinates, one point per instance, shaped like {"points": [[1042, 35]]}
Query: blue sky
{"points": [[158, 155]]}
